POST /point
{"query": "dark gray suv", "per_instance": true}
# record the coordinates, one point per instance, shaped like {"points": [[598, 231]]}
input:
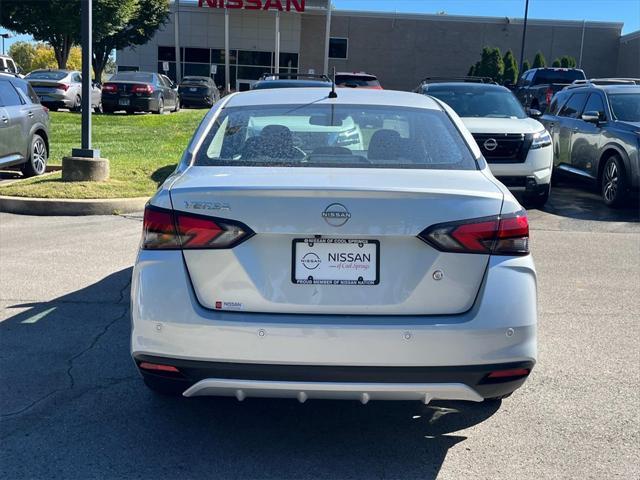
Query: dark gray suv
{"points": [[24, 127], [596, 136]]}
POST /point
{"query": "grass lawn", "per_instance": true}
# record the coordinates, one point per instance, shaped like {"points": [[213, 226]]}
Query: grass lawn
{"points": [[142, 149]]}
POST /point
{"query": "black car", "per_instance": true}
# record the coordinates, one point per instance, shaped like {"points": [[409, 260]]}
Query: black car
{"points": [[291, 80], [24, 127], [596, 136], [536, 87], [197, 91], [140, 92]]}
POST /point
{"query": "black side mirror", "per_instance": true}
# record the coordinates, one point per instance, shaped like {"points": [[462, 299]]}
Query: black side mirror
{"points": [[591, 117], [533, 113]]}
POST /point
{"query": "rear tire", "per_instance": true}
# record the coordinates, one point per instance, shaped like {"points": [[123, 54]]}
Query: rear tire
{"points": [[77, 106], [98, 108], [160, 110], [613, 184], [38, 157], [540, 199], [176, 109]]}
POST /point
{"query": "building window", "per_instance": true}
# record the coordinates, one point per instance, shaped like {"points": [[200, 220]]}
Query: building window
{"points": [[196, 55], [338, 48], [127, 68]]}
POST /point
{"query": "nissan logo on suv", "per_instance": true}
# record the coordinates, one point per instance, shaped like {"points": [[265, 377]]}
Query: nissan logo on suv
{"points": [[336, 215], [490, 144]]}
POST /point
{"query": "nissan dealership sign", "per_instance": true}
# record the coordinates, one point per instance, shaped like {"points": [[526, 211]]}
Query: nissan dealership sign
{"points": [[281, 5]]}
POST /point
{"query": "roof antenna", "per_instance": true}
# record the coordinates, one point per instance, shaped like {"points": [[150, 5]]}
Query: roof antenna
{"points": [[332, 93]]}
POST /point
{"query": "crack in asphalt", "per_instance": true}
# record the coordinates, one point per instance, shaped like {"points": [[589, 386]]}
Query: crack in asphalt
{"points": [[70, 361]]}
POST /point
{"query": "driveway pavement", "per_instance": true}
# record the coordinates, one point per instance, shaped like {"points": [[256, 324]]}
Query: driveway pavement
{"points": [[72, 405]]}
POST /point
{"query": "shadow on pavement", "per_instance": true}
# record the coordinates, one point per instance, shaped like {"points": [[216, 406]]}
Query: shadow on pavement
{"points": [[583, 202], [73, 406]]}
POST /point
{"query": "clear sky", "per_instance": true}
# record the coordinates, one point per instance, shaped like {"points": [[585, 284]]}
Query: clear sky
{"points": [[627, 11]]}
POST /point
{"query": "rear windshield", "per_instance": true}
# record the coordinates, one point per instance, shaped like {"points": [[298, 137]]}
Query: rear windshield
{"points": [[345, 136], [479, 102], [625, 106], [265, 84], [133, 77], [47, 75], [357, 81], [195, 80], [557, 76]]}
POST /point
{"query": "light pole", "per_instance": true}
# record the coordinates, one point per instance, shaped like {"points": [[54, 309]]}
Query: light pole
{"points": [[85, 163], [524, 34], [4, 35]]}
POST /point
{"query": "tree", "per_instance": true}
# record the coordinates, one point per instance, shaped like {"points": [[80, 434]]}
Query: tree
{"points": [[23, 53], [567, 62], [32, 56], [472, 71], [526, 66], [539, 61], [556, 63], [510, 76], [56, 22], [124, 23], [491, 64]]}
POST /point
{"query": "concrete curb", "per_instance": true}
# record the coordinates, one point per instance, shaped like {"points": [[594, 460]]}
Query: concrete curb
{"points": [[71, 207]]}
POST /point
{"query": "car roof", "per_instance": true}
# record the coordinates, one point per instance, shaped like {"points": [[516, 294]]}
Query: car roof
{"points": [[346, 96], [201, 77], [466, 85], [53, 70], [356, 74], [620, 88]]}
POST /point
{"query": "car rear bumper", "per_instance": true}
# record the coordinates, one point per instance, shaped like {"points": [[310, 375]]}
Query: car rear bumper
{"points": [[169, 324], [187, 99], [138, 104], [198, 378]]}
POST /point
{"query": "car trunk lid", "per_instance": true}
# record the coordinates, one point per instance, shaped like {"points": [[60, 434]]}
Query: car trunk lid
{"points": [[383, 209]]}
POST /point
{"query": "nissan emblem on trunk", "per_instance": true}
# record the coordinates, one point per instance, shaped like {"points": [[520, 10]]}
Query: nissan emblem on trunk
{"points": [[336, 215]]}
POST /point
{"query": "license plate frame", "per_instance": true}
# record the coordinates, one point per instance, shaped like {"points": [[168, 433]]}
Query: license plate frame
{"points": [[321, 247]]}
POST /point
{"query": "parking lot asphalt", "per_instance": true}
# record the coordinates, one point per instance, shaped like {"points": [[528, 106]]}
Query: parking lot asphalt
{"points": [[72, 405]]}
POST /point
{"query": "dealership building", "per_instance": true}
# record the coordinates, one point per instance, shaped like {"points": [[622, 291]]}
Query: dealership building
{"points": [[236, 41]]}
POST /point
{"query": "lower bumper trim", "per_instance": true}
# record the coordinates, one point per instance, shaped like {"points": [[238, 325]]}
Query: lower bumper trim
{"points": [[363, 392]]}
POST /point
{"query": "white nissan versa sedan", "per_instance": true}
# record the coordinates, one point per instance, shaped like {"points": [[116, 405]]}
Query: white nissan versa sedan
{"points": [[351, 248]]}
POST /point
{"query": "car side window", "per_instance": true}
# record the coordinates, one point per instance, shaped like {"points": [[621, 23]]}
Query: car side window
{"points": [[9, 97], [574, 105], [76, 78], [595, 104], [27, 91], [11, 66]]}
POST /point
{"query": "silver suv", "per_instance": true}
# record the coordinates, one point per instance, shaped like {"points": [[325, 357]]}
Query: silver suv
{"points": [[24, 127]]}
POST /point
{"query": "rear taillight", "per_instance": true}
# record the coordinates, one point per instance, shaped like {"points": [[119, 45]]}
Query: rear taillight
{"points": [[165, 229], [142, 89], [499, 235], [109, 87], [62, 86], [549, 95], [502, 376]]}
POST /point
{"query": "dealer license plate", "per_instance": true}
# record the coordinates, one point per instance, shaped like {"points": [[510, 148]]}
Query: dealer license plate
{"points": [[335, 261]]}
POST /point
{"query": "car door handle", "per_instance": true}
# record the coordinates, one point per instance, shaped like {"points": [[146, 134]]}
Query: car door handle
{"points": [[30, 114], [575, 129], [5, 119]]}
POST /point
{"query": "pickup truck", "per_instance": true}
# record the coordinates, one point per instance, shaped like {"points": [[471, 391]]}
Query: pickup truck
{"points": [[536, 87]]}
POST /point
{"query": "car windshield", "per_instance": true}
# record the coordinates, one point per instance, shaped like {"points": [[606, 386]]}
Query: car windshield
{"points": [[47, 75], [478, 102], [265, 84], [345, 136], [625, 106], [557, 76], [356, 81], [133, 77]]}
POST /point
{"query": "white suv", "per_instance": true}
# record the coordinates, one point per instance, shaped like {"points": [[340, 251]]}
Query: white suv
{"points": [[517, 147], [7, 65]]}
